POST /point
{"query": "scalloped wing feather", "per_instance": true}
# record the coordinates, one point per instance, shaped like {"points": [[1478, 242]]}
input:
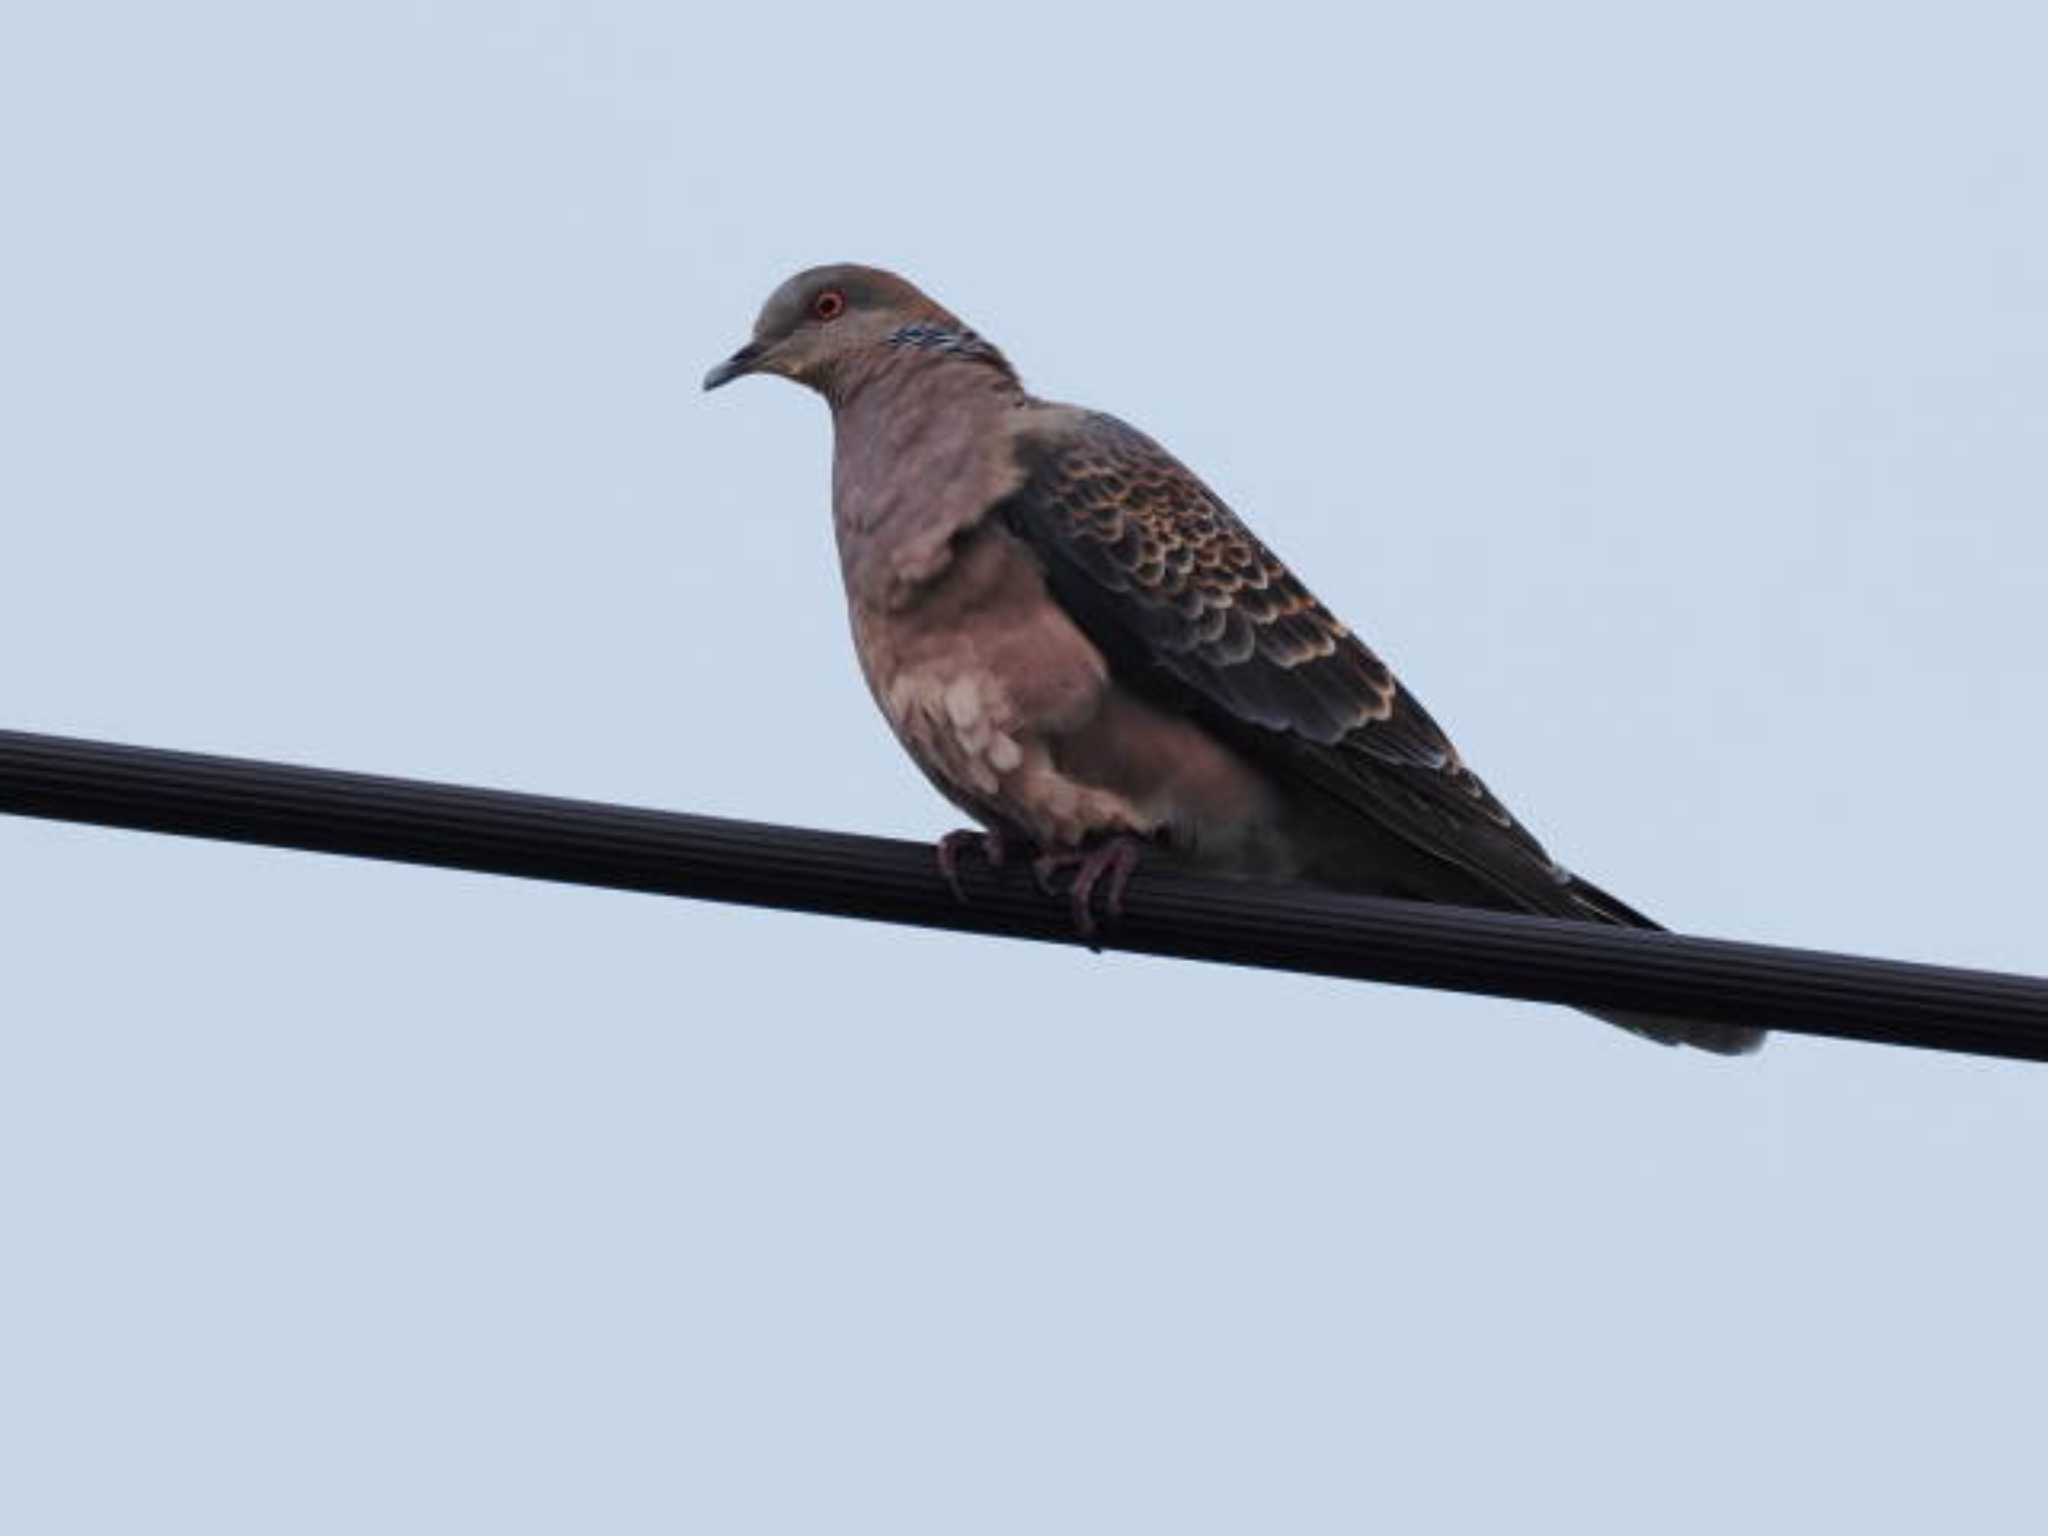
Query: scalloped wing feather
{"points": [[1188, 604]]}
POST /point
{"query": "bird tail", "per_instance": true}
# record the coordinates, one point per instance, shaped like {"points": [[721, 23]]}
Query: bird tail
{"points": [[1722, 1039]]}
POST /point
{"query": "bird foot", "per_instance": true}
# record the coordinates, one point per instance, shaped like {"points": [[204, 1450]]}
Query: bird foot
{"points": [[1108, 864], [990, 845]]}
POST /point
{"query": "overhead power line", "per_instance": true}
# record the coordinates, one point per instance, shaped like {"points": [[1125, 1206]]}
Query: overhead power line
{"points": [[1290, 928]]}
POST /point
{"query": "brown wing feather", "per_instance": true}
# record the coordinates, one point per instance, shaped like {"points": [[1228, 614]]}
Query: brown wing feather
{"points": [[1187, 602]]}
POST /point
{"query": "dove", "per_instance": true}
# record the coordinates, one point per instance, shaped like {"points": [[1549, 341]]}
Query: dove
{"points": [[1092, 656]]}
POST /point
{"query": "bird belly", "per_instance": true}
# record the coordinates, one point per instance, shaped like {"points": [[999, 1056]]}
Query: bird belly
{"points": [[986, 734], [1209, 807], [1014, 715]]}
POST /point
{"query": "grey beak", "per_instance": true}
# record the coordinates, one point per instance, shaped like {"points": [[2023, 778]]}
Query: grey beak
{"points": [[741, 362]]}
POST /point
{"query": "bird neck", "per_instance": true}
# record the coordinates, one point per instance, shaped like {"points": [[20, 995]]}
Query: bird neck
{"points": [[921, 449], [936, 355]]}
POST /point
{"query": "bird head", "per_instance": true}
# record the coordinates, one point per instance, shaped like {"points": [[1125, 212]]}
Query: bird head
{"points": [[827, 323]]}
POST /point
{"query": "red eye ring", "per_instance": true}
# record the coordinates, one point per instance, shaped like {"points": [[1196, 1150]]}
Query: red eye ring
{"points": [[829, 305]]}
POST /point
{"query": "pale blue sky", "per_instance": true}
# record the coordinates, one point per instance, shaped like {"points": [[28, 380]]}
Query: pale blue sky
{"points": [[1662, 391]]}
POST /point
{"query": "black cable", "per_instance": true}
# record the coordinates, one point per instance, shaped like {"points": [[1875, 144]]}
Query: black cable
{"points": [[1282, 927]]}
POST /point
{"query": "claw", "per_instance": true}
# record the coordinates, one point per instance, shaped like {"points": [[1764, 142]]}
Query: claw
{"points": [[989, 845], [1112, 860]]}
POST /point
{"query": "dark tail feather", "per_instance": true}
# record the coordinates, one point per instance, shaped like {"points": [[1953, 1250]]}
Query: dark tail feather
{"points": [[1723, 1039]]}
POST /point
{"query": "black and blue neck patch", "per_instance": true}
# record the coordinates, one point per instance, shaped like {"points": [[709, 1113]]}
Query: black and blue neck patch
{"points": [[938, 338]]}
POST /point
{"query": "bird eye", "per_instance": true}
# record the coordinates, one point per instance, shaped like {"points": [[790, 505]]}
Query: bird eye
{"points": [[829, 305]]}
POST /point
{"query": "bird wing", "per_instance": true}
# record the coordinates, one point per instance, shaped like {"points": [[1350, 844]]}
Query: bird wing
{"points": [[1190, 608]]}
